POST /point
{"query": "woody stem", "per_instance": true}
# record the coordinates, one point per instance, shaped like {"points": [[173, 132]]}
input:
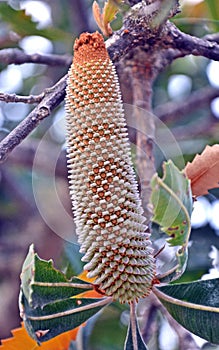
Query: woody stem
{"points": [[133, 324]]}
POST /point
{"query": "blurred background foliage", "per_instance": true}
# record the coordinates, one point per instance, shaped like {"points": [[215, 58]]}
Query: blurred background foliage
{"points": [[35, 205]]}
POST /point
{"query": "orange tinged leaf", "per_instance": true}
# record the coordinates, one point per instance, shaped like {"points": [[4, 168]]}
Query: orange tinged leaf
{"points": [[83, 276], [203, 171], [108, 14], [21, 340], [90, 293], [196, 11]]}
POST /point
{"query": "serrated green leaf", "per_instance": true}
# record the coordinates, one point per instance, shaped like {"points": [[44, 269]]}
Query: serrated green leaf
{"points": [[49, 303], [194, 305], [41, 283], [172, 201], [139, 342], [73, 257], [58, 317]]}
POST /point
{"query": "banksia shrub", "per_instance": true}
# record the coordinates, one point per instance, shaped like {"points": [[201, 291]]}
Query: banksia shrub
{"points": [[106, 202]]}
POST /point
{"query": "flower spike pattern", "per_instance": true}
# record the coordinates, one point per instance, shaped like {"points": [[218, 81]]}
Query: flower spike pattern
{"points": [[106, 202]]}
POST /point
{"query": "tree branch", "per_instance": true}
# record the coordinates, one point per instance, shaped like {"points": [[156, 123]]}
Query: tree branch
{"points": [[171, 111], [212, 37], [16, 56], [123, 41], [53, 97], [142, 117], [205, 127], [24, 99], [186, 44], [139, 31]]}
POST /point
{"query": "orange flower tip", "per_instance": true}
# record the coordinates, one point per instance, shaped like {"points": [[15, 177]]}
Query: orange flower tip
{"points": [[89, 45], [93, 40]]}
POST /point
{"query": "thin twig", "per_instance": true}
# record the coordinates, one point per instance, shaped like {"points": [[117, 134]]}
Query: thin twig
{"points": [[206, 127], [212, 37], [53, 97], [24, 99], [171, 111], [17, 56]]}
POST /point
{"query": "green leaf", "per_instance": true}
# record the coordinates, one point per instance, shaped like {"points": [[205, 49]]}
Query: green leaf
{"points": [[213, 9], [72, 258], [23, 24], [194, 305], [137, 343], [172, 201], [58, 317], [110, 10], [41, 283], [51, 303]]}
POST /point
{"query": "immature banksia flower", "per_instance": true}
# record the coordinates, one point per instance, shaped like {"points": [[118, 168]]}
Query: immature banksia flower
{"points": [[106, 203]]}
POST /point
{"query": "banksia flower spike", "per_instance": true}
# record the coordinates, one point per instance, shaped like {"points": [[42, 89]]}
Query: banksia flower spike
{"points": [[106, 202]]}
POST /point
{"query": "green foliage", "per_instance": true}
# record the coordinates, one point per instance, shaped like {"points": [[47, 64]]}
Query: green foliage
{"points": [[23, 25], [49, 302], [199, 18], [213, 7], [40, 282], [172, 201], [58, 317], [195, 306], [72, 258]]}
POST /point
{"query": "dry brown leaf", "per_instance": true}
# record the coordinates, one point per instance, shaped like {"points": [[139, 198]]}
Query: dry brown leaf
{"points": [[203, 171]]}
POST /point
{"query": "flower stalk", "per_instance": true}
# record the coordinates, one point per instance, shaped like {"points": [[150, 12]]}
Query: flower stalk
{"points": [[106, 202]]}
